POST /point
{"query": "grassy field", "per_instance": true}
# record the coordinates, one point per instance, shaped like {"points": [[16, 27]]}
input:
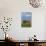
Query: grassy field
{"points": [[26, 24]]}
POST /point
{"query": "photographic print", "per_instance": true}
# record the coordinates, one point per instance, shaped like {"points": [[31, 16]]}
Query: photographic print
{"points": [[26, 19]]}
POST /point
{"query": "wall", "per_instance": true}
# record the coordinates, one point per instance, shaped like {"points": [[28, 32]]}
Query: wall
{"points": [[13, 8], [45, 27]]}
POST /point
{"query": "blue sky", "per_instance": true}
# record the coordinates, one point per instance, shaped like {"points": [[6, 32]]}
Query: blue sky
{"points": [[26, 16]]}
